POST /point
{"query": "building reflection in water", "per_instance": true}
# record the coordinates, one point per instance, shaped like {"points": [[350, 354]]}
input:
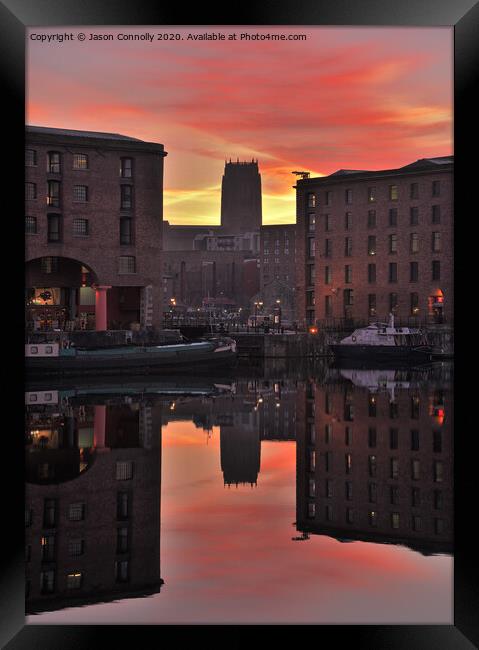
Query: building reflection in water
{"points": [[256, 410], [92, 510], [375, 457]]}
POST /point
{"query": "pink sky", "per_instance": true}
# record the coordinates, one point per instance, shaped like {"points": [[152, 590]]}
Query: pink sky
{"points": [[358, 98], [227, 554]]}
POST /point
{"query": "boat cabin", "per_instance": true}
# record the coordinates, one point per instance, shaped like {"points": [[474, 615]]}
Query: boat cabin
{"points": [[386, 334]]}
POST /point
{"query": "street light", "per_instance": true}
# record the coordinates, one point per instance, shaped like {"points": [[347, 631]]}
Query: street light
{"points": [[256, 305], [172, 307], [277, 317]]}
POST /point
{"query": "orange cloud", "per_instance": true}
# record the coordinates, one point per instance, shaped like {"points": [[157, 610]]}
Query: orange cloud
{"points": [[357, 98]]}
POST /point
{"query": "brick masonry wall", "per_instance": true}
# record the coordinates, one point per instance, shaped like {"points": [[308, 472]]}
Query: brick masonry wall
{"points": [[101, 249], [359, 233]]}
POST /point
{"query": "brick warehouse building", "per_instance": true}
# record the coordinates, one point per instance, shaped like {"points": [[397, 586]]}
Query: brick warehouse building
{"points": [[94, 210], [375, 242]]}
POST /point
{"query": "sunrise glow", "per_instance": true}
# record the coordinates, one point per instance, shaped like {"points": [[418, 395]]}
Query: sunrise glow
{"points": [[359, 98]]}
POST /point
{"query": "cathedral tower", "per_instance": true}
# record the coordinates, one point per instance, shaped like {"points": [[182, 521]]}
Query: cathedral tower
{"points": [[241, 197]]}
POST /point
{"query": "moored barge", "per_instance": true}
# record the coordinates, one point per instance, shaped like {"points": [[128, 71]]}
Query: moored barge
{"points": [[185, 357]]}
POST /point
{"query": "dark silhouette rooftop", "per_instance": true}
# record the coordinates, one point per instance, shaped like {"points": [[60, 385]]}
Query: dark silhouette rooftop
{"points": [[80, 134]]}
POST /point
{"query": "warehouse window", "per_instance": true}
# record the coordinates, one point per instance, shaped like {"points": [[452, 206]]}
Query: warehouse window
{"points": [[414, 242], [74, 580], [30, 158], [126, 167], [126, 264], [76, 511], [393, 244], [80, 161], [124, 470], [53, 162], [31, 225], [54, 233], [413, 272], [80, 227], [126, 231], [30, 191], [80, 193]]}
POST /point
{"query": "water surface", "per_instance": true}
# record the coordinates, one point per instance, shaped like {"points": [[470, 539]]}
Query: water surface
{"points": [[277, 497]]}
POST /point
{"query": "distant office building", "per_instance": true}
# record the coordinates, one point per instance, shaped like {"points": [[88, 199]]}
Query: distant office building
{"points": [[278, 270], [241, 209], [246, 241], [94, 209], [372, 243], [182, 238], [194, 276]]}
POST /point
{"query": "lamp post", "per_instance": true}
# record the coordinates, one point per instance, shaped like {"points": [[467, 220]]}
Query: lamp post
{"points": [[172, 310], [277, 317], [256, 305]]}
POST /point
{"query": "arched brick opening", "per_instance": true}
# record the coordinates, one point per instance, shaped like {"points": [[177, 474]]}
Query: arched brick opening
{"points": [[59, 294]]}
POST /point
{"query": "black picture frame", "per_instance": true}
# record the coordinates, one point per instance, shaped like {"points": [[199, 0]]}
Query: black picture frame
{"points": [[463, 15]]}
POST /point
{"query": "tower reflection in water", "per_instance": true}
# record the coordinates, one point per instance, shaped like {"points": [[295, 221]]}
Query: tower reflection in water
{"points": [[373, 463], [374, 459], [255, 410], [92, 509]]}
